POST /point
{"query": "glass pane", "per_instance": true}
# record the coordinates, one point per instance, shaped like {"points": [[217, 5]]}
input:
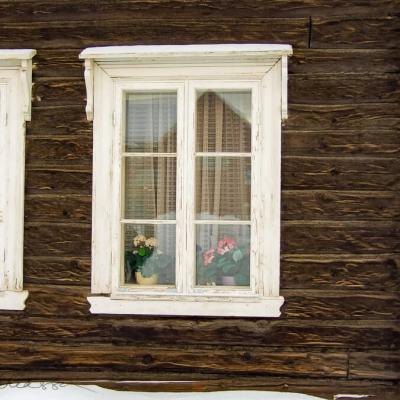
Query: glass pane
{"points": [[151, 122], [223, 255], [223, 121], [223, 188], [150, 187], [149, 254]]}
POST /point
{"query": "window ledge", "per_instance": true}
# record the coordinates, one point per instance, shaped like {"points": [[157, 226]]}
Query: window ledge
{"points": [[10, 300], [231, 307]]}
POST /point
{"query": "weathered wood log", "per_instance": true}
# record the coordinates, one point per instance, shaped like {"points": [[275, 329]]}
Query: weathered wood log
{"points": [[210, 359], [342, 61], [46, 300], [80, 34], [337, 173], [340, 205], [68, 120], [341, 272], [374, 365], [56, 181], [59, 150], [347, 117], [56, 91], [27, 11], [355, 32], [341, 143], [334, 89], [130, 330]]}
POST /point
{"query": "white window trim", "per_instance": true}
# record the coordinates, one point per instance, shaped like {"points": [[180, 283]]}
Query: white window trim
{"points": [[109, 71], [15, 92]]}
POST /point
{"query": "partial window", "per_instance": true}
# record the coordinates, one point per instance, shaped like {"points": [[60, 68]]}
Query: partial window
{"points": [[186, 197], [15, 109]]}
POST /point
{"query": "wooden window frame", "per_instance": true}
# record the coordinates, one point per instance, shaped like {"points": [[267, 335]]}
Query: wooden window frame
{"points": [[112, 71], [15, 97]]}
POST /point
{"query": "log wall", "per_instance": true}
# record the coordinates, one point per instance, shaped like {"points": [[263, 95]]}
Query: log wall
{"points": [[340, 331]]}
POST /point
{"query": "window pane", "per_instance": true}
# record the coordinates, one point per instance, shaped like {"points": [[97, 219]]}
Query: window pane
{"points": [[223, 188], [151, 122], [149, 254], [223, 121], [150, 187], [223, 255]]}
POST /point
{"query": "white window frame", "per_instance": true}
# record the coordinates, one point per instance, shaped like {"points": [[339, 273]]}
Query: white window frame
{"points": [[15, 109], [112, 71]]}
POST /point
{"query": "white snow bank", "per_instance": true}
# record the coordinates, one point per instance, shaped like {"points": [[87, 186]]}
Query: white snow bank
{"points": [[56, 391]]}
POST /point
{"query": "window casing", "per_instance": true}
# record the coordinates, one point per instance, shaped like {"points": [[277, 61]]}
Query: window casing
{"points": [[15, 109], [246, 87]]}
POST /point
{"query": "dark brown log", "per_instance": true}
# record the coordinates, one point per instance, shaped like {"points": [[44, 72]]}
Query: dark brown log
{"points": [[330, 237], [344, 61], [355, 32], [307, 117], [69, 120], [57, 270], [174, 331], [340, 305], [57, 63], [59, 91], [341, 143], [73, 34], [28, 11], [340, 173], [58, 208], [374, 365], [177, 358], [70, 240], [59, 151], [335, 89], [341, 272], [336, 205], [58, 181]]}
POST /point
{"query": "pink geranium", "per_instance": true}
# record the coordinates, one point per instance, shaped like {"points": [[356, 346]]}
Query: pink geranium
{"points": [[226, 244], [208, 256]]}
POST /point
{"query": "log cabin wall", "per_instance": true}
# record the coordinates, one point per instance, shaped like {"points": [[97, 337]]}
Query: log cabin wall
{"points": [[339, 332]]}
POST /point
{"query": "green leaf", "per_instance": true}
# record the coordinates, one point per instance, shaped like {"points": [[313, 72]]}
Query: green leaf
{"points": [[237, 255], [142, 252]]}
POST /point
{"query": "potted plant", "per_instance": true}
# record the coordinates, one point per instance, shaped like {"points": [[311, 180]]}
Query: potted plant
{"points": [[145, 261], [226, 264]]}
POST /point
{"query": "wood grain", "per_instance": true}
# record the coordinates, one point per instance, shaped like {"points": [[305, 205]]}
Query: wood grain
{"points": [[376, 365]]}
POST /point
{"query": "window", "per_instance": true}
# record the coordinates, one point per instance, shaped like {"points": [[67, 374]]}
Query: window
{"points": [[186, 178], [15, 109]]}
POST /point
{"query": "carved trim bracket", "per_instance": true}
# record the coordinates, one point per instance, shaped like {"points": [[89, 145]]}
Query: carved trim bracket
{"points": [[89, 88]]}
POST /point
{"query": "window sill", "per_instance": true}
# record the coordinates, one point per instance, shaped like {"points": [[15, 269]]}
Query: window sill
{"points": [[227, 307], [10, 300]]}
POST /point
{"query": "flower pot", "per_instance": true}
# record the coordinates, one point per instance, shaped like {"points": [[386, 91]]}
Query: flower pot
{"points": [[228, 281], [149, 280]]}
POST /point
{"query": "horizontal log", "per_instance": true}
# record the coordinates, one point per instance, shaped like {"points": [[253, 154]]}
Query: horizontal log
{"points": [[44, 239], [337, 272], [57, 240], [56, 91], [58, 208], [130, 330], [172, 358], [45, 300], [374, 365], [57, 270], [74, 34], [339, 305], [336, 89], [336, 173], [27, 11], [344, 61], [355, 32], [313, 117], [341, 143], [58, 181], [59, 151], [52, 121], [57, 63], [337, 205]]}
